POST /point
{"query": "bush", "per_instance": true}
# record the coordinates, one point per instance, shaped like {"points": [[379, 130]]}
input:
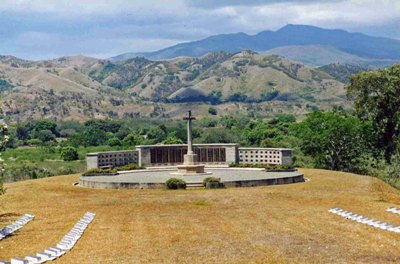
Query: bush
{"points": [[100, 171], [211, 179], [65, 170], [114, 142], [69, 153], [175, 184], [129, 167], [24, 170], [2, 188], [212, 111], [34, 142]]}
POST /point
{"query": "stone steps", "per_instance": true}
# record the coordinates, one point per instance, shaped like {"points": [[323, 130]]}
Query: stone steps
{"points": [[194, 185]]}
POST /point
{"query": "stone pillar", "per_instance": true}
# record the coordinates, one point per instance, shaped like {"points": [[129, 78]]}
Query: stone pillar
{"points": [[189, 134], [189, 168], [190, 157]]}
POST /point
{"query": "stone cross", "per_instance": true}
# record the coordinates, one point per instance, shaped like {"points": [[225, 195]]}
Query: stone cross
{"points": [[189, 118]]}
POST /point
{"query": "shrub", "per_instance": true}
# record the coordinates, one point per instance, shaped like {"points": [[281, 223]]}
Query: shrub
{"points": [[65, 170], [114, 142], [99, 171], [172, 139], [69, 153], [211, 179], [175, 183], [25, 170], [2, 188], [129, 167], [43, 135], [212, 111], [34, 142]]}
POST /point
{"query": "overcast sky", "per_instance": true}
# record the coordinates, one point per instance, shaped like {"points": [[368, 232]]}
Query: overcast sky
{"points": [[41, 29]]}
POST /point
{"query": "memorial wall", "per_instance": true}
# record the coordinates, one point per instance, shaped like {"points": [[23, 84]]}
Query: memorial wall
{"points": [[167, 155], [172, 155]]}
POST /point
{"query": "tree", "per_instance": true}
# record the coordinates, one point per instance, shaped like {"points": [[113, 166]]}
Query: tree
{"points": [[335, 139], [3, 143], [217, 135], [93, 136], [157, 134], [46, 124], [376, 96], [114, 142], [43, 135], [23, 131], [172, 139], [69, 153], [107, 125], [132, 139]]}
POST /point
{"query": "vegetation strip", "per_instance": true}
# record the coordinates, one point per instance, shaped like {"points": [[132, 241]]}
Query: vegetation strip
{"points": [[364, 220], [11, 228], [66, 244]]}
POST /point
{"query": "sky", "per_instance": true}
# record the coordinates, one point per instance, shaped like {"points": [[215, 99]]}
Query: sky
{"points": [[44, 29]]}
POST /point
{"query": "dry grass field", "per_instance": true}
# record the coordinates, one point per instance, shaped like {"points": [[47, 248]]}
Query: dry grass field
{"points": [[273, 224]]}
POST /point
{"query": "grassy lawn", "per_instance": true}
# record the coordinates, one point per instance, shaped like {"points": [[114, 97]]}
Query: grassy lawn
{"points": [[273, 224]]}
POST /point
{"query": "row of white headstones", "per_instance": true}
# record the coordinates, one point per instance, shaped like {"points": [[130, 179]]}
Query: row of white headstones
{"points": [[66, 244], [369, 221], [11, 228]]}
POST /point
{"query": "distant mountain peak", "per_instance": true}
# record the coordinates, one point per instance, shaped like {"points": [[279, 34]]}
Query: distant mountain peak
{"points": [[379, 50]]}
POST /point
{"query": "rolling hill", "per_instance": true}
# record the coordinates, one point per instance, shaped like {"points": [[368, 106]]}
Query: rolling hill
{"points": [[81, 87], [277, 224], [297, 41]]}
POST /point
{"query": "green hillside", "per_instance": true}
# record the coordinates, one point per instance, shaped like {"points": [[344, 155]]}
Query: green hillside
{"points": [[81, 87]]}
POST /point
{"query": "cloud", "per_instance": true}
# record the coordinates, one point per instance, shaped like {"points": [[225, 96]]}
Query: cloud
{"points": [[211, 4], [67, 8]]}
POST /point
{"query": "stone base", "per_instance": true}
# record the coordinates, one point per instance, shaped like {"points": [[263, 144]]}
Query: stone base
{"points": [[190, 174], [189, 159], [191, 170]]}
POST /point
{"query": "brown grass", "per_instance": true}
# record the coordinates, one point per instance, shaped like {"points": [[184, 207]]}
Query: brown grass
{"points": [[274, 224]]}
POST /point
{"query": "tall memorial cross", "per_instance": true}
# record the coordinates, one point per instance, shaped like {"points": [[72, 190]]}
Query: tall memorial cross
{"points": [[189, 167], [189, 119]]}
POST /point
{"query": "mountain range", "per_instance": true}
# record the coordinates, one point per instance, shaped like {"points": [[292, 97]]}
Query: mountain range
{"points": [[294, 70], [309, 45], [242, 83]]}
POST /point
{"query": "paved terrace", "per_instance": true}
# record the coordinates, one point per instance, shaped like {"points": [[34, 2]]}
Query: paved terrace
{"points": [[232, 177]]}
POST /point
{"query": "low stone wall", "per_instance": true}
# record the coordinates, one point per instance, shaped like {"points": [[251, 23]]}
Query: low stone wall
{"points": [[245, 181], [264, 182], [119, 185]]}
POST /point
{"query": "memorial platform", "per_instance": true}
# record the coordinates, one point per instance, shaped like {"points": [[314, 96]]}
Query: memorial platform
{"points": [[153, 179]]}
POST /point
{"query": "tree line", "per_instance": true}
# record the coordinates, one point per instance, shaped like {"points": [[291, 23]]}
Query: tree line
{"points": [[364, 140]]}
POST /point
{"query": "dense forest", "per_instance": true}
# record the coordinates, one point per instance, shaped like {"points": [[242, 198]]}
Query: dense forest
{"points": [[364, 140]]}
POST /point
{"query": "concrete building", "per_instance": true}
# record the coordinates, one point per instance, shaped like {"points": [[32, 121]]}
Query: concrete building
{"points": [[111, 159], [167, 155], [172, 155], [269, 156]]}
